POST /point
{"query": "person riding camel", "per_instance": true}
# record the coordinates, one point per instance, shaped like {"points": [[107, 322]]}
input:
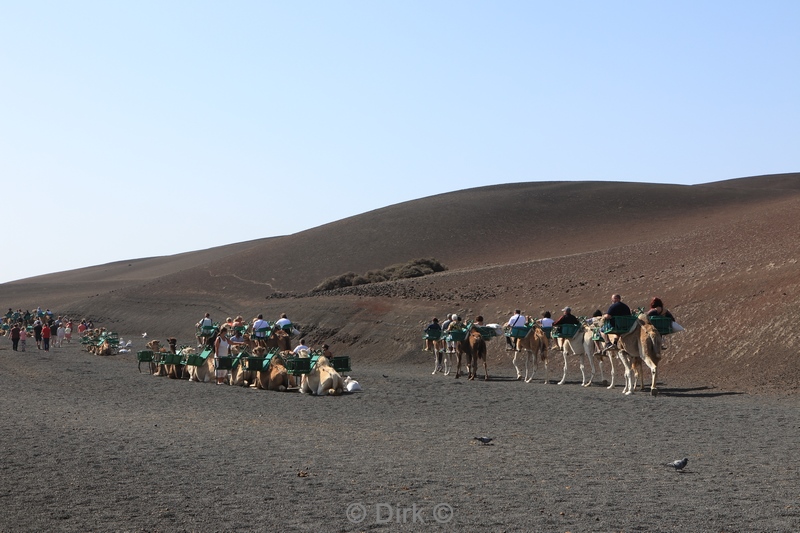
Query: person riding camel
{"points": [[617, 308]]}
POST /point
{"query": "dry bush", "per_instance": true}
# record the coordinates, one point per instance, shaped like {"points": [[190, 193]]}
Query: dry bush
{"points": [[412, 269]]}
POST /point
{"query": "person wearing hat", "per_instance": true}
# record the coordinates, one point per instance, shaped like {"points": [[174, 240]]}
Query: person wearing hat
{"points": [[567, 318]]}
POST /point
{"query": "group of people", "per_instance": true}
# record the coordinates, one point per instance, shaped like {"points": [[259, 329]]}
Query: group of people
{"points": [[232, 331], [46, 329], [519, 320]]}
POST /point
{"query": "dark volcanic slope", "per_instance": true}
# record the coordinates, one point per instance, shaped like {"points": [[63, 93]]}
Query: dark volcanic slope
{"points": [[723, 255]]}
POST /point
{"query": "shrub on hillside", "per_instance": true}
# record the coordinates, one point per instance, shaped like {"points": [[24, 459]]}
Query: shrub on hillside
{"points": [[412, 269]]}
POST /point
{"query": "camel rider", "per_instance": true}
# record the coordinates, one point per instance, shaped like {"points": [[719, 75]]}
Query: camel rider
{"points": [[567, 318], [205, 322], [283, 321], [435, 329], [260, 324], [450, 347], [517, 321], [617, 308], [299, 347], [446, 323]]}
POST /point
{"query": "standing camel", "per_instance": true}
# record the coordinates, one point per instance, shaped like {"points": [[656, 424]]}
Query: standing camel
{"points": [[534, 345], [474, 347], [641, 343]]}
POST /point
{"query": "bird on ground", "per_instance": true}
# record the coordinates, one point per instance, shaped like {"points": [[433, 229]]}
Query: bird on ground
{"points": [[679, 465], [484, 440], [144, 335], [128, 344]]}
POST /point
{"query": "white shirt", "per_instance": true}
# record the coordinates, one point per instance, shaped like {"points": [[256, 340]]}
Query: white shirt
{"points": [[205, 322], [546, 322], [258, 324], [300, 347], [283, 322], [516, 321]]}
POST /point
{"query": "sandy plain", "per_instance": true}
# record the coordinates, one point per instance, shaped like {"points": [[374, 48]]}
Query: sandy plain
{"points": [[91, 444]]}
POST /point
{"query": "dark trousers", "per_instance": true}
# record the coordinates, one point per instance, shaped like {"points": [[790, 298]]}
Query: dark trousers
{"points": [[14, 344], [46, 343]]}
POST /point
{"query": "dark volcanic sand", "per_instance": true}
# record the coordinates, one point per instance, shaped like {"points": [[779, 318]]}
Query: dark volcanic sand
{"points": [[92, 445]]}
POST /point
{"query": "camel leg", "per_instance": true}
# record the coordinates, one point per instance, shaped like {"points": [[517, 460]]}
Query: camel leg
{"points": [[458, 363], [486, 369], [519, 374], [591, 367], [600, 364], [437, 362], [611, 364], [564, 374], [653, 372], [546, 369], [582, 366], [638, 375], [533, 366], [628, 389]]}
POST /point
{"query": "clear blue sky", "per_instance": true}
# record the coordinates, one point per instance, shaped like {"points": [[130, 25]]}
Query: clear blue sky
{"points": [[133, 129]]}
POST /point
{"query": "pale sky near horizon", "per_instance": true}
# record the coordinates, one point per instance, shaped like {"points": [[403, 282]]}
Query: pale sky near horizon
{"points": [[148, 128]]}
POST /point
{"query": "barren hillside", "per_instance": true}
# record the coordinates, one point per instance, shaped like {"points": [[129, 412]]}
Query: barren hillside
{"points": [[723, 256]]}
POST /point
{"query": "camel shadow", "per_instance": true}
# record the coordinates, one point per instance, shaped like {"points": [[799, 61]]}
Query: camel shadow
{"points": [[696, 392]]}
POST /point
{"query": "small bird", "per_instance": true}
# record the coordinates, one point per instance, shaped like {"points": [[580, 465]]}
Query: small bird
{"points": [[128, 344], [484, 440], [144, 335], [679, 465]]}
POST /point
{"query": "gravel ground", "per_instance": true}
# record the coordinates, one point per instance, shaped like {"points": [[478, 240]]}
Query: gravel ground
{"points": [[93, 445]]}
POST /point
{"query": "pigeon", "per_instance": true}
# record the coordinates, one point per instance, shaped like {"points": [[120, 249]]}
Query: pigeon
{"points": [[128, 344], [144, 335], [484, 440], [679, 465]]}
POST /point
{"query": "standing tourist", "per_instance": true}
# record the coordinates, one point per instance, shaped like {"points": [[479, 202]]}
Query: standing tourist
{"points": [[37, 333], [46, 337], [222, 347], [61, 333], [23, 336], [15, 337]]}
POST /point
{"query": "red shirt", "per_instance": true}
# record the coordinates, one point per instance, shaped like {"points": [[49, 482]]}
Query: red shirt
{"points": [[45, 331]]}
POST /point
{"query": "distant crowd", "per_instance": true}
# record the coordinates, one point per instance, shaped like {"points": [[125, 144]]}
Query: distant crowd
{"points": [[45, 327]]}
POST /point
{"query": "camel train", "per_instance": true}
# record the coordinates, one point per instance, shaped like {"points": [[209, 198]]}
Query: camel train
{"points": [[638, 340], [265, 363]]}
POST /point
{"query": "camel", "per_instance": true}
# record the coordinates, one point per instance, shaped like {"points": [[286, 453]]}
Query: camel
{"points": [[474, 347], [205, 371], [156, 368], [240, 375], [279, 339], [536, 345], [322, 380], [599, 353], [173, 370], [582, 345], [275, 376], [641, 343]]}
